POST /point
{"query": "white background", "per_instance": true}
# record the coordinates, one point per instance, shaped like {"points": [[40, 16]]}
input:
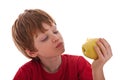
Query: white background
{"points": [[76, 20]]}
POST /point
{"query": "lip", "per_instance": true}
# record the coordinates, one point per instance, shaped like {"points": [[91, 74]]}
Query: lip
{"points": [[59, 45]]}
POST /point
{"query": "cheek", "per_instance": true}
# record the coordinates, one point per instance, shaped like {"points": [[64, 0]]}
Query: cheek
{"points": [[46, 51], [46, 47], [60, 36]]}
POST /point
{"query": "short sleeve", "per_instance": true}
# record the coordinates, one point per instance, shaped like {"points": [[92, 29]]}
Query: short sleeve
{"points": [[84, 68], [22, 75]]}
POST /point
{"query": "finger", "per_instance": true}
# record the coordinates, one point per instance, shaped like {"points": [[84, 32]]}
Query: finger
{"points": [[98, 51], [107, 46], [105, 43], [102, 48]]}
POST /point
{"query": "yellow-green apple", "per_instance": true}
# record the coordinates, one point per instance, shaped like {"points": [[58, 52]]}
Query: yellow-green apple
{"points": [[88, 48]]}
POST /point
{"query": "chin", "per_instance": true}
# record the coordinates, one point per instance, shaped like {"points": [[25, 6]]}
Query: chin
{"points": [[61, 51]]}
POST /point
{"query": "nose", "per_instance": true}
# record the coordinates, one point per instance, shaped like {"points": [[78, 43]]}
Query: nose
{"points": [[55, 38]]}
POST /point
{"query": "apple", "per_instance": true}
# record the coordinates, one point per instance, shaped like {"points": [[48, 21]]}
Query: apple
{"points": [[88, 48]]}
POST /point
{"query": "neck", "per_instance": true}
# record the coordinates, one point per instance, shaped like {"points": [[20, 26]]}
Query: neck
{"points": [[51, 64]]}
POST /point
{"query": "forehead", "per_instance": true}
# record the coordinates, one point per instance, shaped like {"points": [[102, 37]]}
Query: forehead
{"points": [[46, 27]]}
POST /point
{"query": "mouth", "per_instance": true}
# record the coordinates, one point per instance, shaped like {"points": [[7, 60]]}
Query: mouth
{"points": [[60, 45]]}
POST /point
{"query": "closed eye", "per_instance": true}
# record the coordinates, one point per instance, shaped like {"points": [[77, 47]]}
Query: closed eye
{"points": [[55, 32], [44, 38]]}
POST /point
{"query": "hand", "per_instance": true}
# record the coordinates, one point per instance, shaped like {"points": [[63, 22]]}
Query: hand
{"points": [[104, 52]]}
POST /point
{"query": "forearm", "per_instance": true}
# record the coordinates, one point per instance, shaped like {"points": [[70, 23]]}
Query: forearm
{"points": [[98, 74], [104, 53]]}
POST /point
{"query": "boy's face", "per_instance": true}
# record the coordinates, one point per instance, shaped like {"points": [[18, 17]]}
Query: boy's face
{"points": [[50, 43]]}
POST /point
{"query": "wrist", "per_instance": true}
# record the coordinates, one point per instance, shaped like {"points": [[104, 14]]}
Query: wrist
{"points": [[98, 73]]}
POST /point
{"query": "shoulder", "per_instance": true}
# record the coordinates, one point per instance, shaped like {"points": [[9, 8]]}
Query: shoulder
{"points": [[27, 69], [75, 58], [30, 64], [78, 65], [78, 61]]}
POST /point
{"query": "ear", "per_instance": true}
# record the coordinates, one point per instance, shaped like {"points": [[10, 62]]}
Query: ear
{"points": [[31, 53]]}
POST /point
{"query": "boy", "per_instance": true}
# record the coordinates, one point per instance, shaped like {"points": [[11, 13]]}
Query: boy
{"points": [[35, 34]]}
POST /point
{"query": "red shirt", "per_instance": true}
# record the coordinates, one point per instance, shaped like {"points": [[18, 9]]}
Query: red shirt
{"points": [[72, 68]]}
